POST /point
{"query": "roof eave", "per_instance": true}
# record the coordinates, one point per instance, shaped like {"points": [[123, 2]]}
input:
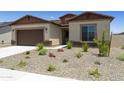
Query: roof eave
{"points": [[46, 21]]}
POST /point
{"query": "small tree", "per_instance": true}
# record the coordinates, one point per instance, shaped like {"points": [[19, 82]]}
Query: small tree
{"points": [[103, 46]]}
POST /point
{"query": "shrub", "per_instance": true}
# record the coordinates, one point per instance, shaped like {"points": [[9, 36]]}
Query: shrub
{"points": [[51, 55], [27, 53], [65, 61], [51, 68], [12, 68], [103, 46], [94, 72], [2, 41], [121, 57], [61, 50], [27, 57], [1, 61], [79, 55], [40, 46], [69, 45], [97, 63], [122, 47], [22, 64], [42, 52], [85, 47]]}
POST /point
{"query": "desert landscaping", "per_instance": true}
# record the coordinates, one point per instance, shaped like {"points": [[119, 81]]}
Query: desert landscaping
{"points": [[118, 40], [71, 62]]}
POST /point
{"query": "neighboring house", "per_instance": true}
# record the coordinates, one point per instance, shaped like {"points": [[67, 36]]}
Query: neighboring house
{"points": [[5, 32], [30, 30]]}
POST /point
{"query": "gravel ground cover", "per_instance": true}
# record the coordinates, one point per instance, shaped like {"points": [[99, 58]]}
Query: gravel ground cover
{"points": [[67, 64], [117, 40]]}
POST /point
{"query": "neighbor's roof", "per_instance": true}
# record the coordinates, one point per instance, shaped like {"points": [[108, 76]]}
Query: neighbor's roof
{"points": [[56, 21], [26, 20], [91, 16], [68, 15]]}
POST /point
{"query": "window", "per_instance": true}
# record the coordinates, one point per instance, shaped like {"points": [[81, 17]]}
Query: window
{"points": [[88, 32]]}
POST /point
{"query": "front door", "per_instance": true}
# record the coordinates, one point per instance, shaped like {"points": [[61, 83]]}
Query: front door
{"points": [[65, 36], [88, 32]]}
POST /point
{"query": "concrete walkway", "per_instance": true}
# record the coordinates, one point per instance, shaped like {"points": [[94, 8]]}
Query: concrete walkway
{"points": [[57, 47], [13, 50]]}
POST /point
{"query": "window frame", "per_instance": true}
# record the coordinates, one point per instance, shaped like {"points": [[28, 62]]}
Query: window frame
{"points": [[81, 31]]}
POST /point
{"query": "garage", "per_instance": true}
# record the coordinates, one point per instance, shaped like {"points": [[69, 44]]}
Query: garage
{"points": [[29, 37]]}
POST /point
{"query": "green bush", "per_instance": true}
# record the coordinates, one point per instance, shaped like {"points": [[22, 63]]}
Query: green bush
{"points": [[121, 57], [42, 52], [103, 46], [22, 64], [104, 50], [27, 57], [79, 55], [65, 61], [122, 47], [94, 72], [69, 45], [1, 61], [40, 46], [2, 41], [97, 63], [12, 68], [51, 68], [85, 47], [27, 53]]}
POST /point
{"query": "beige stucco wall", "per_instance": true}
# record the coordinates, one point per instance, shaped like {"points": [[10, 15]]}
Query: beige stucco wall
{"points": [[55, 34], [5, 34], [75, 29], [6, 37]]}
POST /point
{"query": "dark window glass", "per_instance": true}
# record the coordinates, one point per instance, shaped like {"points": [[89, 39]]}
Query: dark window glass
{"points": [[88, 32]]}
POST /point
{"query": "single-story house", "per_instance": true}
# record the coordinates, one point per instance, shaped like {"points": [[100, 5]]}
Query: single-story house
{"points": [[30, 30]]}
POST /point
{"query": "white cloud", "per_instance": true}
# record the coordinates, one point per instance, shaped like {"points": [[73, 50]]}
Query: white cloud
{"points": [[52, 17]]}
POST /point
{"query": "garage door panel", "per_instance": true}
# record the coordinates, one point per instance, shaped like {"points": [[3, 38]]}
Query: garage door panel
{"points": [[29, 37]]}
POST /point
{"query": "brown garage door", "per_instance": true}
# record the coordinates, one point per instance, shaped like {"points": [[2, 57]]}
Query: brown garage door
{"points": [[29, 37]]}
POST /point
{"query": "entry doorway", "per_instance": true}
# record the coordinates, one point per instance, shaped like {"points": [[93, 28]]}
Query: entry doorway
{"points": [[65, 36]]}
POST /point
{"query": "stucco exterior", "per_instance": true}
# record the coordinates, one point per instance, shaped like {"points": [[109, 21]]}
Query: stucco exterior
{"points": [[75, 29], [5, 34], [55, 34]]}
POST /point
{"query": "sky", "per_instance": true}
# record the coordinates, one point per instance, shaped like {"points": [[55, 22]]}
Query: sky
{"points": [[117, 25]]}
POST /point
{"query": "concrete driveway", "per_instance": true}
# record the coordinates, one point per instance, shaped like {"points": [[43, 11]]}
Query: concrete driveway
{"points": [[13, 50]]}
